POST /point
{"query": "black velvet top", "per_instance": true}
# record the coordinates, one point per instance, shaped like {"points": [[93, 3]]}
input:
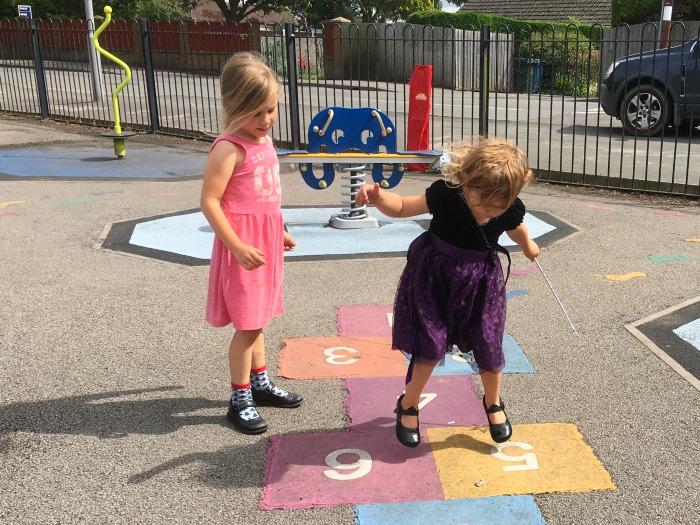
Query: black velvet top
{"points": [[454, 223]]}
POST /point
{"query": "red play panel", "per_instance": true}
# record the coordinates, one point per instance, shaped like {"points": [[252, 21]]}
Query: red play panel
{"points": [[319, 470], [359, 320], [446, 401], [339, 357]]}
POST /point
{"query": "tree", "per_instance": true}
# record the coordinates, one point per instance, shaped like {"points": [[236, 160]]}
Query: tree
{"points": [[364, 10], [123, 9], [236, 10], [639, 11], [315, 11], [381, 10]]}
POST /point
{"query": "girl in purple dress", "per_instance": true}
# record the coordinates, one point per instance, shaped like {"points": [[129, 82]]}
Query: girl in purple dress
{"points": [[452, 290]]}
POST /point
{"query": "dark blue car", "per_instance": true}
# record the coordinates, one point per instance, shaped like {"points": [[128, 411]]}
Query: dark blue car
{"points": [[651, 90]]}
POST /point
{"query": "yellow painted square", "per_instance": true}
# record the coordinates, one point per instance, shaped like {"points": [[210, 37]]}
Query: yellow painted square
{"points": [[550, 457]]}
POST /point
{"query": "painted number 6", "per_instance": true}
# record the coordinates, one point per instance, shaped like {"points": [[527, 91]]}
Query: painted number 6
{"points": [[363, 464], [333, 358], [529, 458]]}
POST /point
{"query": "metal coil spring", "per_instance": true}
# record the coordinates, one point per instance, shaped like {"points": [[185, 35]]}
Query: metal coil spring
{"points": [[353, 178]]}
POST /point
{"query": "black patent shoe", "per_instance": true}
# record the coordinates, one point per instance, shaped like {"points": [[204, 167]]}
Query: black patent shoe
{"points": [[269, 398], [500, 432], [244, 419], [408, 437]]}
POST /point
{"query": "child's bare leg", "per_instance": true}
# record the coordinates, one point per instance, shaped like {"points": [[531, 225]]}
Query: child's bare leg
{"points": [[241, 351], [422, 371], [258, 360], [492, 394]]}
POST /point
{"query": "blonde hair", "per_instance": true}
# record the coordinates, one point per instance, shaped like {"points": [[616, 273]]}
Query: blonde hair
{"points": [[246, 84], [494, 168]]}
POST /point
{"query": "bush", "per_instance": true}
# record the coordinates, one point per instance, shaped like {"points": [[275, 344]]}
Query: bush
{"points": [[521, 29], [570, 52], [571, 62]]}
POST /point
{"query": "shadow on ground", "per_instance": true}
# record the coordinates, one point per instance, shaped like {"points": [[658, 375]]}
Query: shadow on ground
{"points": [[105, 415]]}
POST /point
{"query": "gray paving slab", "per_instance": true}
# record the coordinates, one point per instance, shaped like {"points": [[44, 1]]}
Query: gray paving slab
{"points": [[112, 386]]}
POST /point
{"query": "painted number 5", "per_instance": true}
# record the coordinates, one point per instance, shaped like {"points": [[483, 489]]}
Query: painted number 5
{"points": [[529, 458], [361, 467], [335, 357]]}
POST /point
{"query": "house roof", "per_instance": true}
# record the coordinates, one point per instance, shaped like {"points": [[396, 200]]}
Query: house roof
{"points": [[590, 12]]}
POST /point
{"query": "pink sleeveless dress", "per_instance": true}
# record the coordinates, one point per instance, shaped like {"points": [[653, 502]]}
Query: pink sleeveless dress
{"points": [[252, 203]]}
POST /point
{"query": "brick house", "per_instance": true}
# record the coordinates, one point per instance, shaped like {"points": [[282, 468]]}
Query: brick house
{"points": [[590, 12]]}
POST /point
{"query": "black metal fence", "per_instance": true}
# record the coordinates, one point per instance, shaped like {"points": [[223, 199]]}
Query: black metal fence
{"points": [[590, 106]]}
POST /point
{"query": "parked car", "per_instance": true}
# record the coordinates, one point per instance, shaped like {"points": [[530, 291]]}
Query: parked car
{"points": [[651, 90]]}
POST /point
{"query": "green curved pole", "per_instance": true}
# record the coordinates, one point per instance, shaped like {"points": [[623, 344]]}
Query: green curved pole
{"points": [[124, 82]]}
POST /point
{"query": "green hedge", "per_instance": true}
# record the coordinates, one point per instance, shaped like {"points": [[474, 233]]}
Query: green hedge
{"points": [[522, 29], [570, 65], [569, 52]]}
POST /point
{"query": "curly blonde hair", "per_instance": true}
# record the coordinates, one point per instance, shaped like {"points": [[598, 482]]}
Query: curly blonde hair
{"points": [[494, 168], [246, 84]]}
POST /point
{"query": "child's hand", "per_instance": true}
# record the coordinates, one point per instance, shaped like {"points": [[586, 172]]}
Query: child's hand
{"points": [[289, 242], [368, 194], [249, 257], [531, 249]]}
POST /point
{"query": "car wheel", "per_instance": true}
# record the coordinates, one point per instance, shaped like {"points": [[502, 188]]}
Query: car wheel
{"points": [[645, 110]]}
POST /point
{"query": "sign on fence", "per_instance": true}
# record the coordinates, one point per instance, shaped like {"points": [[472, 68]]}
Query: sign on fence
{"points": [[25, 11]]}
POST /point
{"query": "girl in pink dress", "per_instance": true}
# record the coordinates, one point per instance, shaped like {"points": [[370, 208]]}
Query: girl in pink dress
{"points": [[241, 199]]}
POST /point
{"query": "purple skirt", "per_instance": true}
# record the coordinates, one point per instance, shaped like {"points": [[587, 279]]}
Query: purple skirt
{"points": [[450, 296]]}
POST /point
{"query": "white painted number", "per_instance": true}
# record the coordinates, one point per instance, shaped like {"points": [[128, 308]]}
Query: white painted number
{"points": [[424, 399], [390, 319], [333, 358], [529, 458], [363, 464]]}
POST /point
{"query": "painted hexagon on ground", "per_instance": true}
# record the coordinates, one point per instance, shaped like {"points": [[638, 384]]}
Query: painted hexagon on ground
{"points": [[186, 238]]}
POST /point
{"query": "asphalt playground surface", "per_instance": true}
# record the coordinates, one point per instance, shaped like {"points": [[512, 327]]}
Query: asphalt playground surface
{"points": [[113, 388]]}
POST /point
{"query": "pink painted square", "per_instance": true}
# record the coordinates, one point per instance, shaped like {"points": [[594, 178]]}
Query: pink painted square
{"points": [[446, 401], [347, 468], [362, 320]]}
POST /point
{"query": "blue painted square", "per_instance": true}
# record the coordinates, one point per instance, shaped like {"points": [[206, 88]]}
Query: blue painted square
{"points": [[690, 333], [464, 364], [502, 510]]}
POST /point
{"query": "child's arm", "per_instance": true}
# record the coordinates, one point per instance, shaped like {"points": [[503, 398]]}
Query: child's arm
{"points": [[390, 203], [521, 237], [223, 159]]}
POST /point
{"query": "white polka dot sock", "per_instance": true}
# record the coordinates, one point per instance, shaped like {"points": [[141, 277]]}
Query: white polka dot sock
{"points": [[260, 381], [238, 396]]}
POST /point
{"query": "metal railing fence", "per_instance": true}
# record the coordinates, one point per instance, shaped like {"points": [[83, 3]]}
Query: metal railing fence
{"points": [[551, 92]]}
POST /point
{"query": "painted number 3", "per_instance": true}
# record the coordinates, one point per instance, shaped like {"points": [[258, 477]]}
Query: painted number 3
{"points": [[337, 355], [360, 468]]}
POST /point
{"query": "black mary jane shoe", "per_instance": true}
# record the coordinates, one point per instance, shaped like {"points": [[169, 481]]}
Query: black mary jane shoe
{"points": [[408, 437], [239, 415], [269, 398], [500, 432]]}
